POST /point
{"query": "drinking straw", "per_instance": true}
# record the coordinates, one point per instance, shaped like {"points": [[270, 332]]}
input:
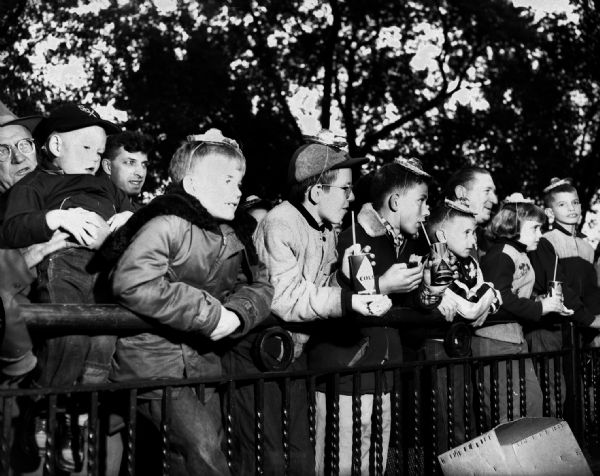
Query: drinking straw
{"points": [[555, 266], [426, 235], [353, 230]]}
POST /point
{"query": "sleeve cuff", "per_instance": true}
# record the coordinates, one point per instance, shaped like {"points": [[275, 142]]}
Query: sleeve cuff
{"points": [[346, 302]]}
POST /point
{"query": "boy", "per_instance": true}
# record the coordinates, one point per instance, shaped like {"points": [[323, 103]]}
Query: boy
{"points": [[189, 266], [455, 224], [126, 162], [67, 196], [298, 246], [575, 270], [387, 225]]}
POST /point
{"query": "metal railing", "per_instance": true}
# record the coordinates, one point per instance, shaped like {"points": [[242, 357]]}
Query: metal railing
{"points": [[417, 410]]}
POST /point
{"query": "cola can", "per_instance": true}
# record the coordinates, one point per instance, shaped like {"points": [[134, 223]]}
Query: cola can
{"points": [[441, 272], [361, 274]]}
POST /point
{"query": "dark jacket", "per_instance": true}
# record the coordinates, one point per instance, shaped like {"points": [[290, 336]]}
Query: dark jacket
{"points": [[34, 195], [179, 268], [347, 343], [575, 269], [507, 266]]}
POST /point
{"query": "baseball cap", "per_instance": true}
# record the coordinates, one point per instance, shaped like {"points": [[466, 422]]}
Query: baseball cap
{"points": [[69, 117], [29, 122], [322, 153]]}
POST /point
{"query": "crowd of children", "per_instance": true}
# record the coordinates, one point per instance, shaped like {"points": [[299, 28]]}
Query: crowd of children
{"points": [[205, 268]]}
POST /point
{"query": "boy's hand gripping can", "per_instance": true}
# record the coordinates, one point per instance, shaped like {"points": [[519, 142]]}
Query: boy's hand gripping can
{"points": [[361, 274]]}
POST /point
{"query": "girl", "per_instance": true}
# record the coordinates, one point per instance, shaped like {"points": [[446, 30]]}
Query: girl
{"points": [[514, 230]]}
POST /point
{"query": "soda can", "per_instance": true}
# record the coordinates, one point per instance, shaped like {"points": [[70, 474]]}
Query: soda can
{"points": [[441, 273], [555, 289], [361, 274]]}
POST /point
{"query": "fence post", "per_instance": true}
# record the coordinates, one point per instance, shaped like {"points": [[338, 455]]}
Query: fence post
{"points": [[571, 368]]}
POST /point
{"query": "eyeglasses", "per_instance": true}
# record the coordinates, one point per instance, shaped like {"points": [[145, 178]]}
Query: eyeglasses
{"points": [[24, 146], [347, 189]]}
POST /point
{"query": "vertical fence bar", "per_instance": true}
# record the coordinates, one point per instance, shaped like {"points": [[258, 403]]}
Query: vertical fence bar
{"points": [[259, 426], [494, 393], [285, 424], [509, 390], [93, 436], [396, 403], [482, 417], [573, 377], [378, 418], [467, 399], [522, 388], [418, 412], [545, 372], [50, 460], [7, 405], [557, 386], [595, 384], [312, 413], [431, 452], [356, 424], [229, 423], [131, 431], [587, 412], [450, 405], [165, 428], [332, 426]]}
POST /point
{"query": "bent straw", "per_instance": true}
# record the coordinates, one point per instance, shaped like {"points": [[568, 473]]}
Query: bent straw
{"points": [[555, 266], [425, 233], [353, 230]]}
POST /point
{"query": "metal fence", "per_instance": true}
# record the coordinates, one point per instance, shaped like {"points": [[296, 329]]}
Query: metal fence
{"points": [[428, 399]]}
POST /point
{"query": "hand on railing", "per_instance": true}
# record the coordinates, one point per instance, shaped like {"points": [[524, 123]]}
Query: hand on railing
{"points": [[227, 324], [371, 305], [448, 308]]}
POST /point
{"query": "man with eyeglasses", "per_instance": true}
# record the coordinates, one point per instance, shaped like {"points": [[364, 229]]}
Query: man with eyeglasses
{"points": [[17, 159]]}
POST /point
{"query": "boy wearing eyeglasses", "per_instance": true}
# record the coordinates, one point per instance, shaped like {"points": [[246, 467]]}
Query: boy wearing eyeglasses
{"points": [[297, 243]]}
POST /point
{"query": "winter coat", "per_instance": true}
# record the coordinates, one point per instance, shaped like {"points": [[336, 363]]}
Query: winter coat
{"points": [[180, 266]]}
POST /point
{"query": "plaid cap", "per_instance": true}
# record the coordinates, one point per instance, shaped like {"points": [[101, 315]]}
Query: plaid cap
{"points": [[70, 117], [29, 122], [316, 159]]}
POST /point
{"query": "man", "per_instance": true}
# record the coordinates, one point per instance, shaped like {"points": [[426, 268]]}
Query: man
{"points": [[17, 159], [126, 162], [476, 186]]}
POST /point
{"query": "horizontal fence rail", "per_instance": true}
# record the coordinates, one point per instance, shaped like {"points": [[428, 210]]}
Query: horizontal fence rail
{"points": [[432, 405]]}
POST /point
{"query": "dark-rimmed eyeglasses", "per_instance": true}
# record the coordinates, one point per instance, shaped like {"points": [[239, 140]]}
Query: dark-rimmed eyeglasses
{"points": [[347, 189], [24, 146]]}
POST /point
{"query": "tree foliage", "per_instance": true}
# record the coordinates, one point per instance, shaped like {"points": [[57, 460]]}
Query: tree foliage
{"points": [[387, 73]]}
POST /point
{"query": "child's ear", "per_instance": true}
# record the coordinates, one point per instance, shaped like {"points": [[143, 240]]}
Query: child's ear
{"points": [[189, 185], [106, 166], [549, 213], [393, 202], [313, 194], [441, 236], [54, 145]]}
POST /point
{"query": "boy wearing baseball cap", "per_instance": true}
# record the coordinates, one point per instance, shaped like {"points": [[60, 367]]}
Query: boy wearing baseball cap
{"points": [[64, 194], [297, 243]]}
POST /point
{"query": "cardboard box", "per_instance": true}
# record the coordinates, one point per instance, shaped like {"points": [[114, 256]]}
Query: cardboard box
{"points": [[526, 446]]}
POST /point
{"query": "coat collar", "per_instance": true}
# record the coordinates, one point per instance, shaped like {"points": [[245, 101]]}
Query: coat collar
{"points": [[179, 203], [558, 227], [309, 218], [368, 218]]}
